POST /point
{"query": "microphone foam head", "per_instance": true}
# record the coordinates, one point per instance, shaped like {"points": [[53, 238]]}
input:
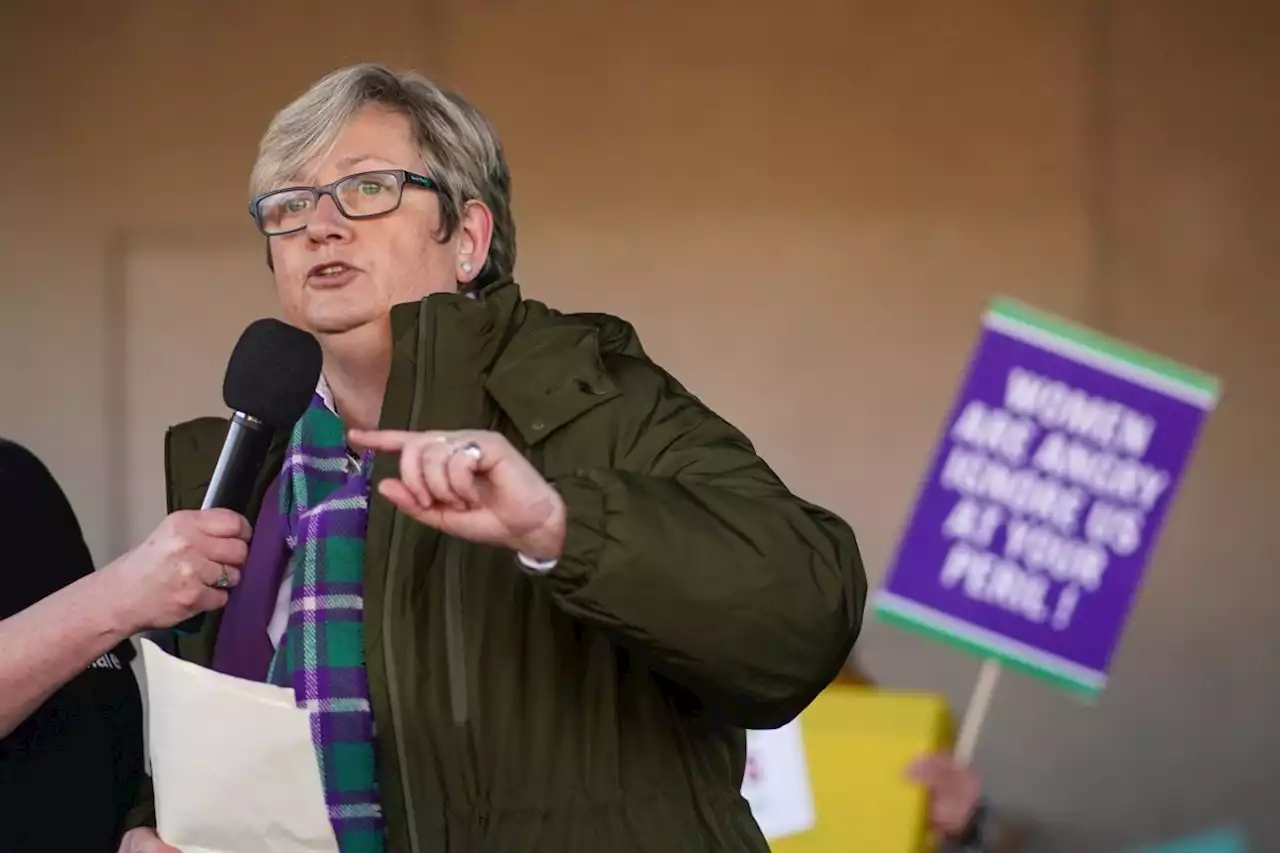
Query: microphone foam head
{"points": [[273, 373]]}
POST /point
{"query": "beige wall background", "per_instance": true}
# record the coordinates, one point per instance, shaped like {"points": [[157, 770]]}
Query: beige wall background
{"points": [[804, 207]]}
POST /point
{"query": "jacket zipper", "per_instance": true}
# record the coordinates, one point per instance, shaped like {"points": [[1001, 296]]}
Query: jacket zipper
{"points": [[393, 564]]}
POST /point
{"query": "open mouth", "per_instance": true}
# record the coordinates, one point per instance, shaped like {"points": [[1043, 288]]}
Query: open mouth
{"points": [[329, 270], [333, 270]]}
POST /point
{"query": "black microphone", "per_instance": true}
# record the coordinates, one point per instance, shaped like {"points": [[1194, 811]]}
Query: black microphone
{"points": [[270, 380]]}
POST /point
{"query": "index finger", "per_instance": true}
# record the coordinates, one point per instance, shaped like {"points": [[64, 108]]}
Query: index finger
{"points": [[224, 523], [385, 440]]}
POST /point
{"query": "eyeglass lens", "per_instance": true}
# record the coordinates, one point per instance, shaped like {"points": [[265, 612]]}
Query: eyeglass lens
{"points": [[366, 194]]}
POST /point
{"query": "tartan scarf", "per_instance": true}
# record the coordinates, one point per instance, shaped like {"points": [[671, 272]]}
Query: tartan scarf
{"points": [[324, 499]]}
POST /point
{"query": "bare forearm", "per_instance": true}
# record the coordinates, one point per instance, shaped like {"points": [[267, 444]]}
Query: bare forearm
{"points": [[49, 643]]}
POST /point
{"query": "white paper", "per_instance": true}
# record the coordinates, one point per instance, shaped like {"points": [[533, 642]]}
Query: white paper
{"points": [[232, 762], [776, 784]]}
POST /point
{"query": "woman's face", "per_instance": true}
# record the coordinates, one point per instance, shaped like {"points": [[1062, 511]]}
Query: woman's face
{"points": [[340, 276]]}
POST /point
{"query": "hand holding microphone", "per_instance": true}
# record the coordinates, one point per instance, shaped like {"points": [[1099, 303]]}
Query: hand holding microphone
{"points": [[179, 570]]}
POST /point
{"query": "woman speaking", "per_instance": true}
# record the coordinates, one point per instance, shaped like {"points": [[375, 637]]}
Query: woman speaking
{"points": [[531, 589]]}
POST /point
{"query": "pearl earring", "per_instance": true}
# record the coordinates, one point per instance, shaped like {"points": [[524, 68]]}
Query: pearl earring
{"points": [[466, 266]]}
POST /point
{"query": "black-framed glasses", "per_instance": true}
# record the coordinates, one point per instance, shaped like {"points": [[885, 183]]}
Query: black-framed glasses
{"points": [[357, 196]]}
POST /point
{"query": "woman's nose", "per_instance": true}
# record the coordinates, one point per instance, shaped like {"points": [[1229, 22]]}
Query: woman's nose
{"points": [[327, 221]]}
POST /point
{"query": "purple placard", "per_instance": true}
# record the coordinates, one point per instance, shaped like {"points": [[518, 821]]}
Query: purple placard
{"points": [[1055, 470]]}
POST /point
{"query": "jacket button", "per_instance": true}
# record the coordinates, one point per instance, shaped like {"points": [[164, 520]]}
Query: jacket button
{"points": [[537, 426]]}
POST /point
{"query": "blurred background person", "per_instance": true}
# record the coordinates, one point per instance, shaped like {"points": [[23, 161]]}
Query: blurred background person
{"points": [[957, 813], [71, 748]]}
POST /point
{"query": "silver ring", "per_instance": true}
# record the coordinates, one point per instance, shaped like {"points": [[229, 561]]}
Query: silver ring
{"points": [[223, 581], [470, 448]]}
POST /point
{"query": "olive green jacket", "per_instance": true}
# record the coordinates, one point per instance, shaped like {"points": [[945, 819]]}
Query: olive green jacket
{"points": [[599, 706]]}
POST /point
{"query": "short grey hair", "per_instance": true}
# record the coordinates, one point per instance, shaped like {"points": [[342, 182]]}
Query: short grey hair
{"points": [[459, 146]]}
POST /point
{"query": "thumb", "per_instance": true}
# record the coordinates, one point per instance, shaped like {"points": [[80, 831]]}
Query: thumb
{"points": [[223, 524], [924, 769], [145, 840]]}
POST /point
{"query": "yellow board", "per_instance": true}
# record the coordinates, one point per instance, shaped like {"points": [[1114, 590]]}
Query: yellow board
{"points": [[859, 743]]}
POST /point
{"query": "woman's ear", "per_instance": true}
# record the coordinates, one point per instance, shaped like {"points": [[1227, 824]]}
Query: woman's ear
{"points": [[475, 233]]}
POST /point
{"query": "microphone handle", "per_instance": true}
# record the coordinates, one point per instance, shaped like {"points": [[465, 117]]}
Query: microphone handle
{"points": [[234, 476]]}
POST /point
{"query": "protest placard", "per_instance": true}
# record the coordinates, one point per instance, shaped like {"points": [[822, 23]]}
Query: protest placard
{"points": [[1039, 512]]}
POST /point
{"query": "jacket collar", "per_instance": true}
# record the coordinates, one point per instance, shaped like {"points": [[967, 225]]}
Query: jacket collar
{"points": [[549, 376], [469, 326], [541, 368]]}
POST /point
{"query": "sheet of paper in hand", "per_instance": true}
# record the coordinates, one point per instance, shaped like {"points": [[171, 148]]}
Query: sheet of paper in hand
{"points": [[1040, 509], [232, 762], [776, 784]]}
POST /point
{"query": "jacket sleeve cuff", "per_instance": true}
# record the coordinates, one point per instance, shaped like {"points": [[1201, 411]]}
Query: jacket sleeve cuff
{"points": [[584, 539], [976, 836], [535, 565]]}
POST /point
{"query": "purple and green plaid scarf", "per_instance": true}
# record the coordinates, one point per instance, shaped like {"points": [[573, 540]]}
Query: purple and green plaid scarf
{"points": [[325, 504]]}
